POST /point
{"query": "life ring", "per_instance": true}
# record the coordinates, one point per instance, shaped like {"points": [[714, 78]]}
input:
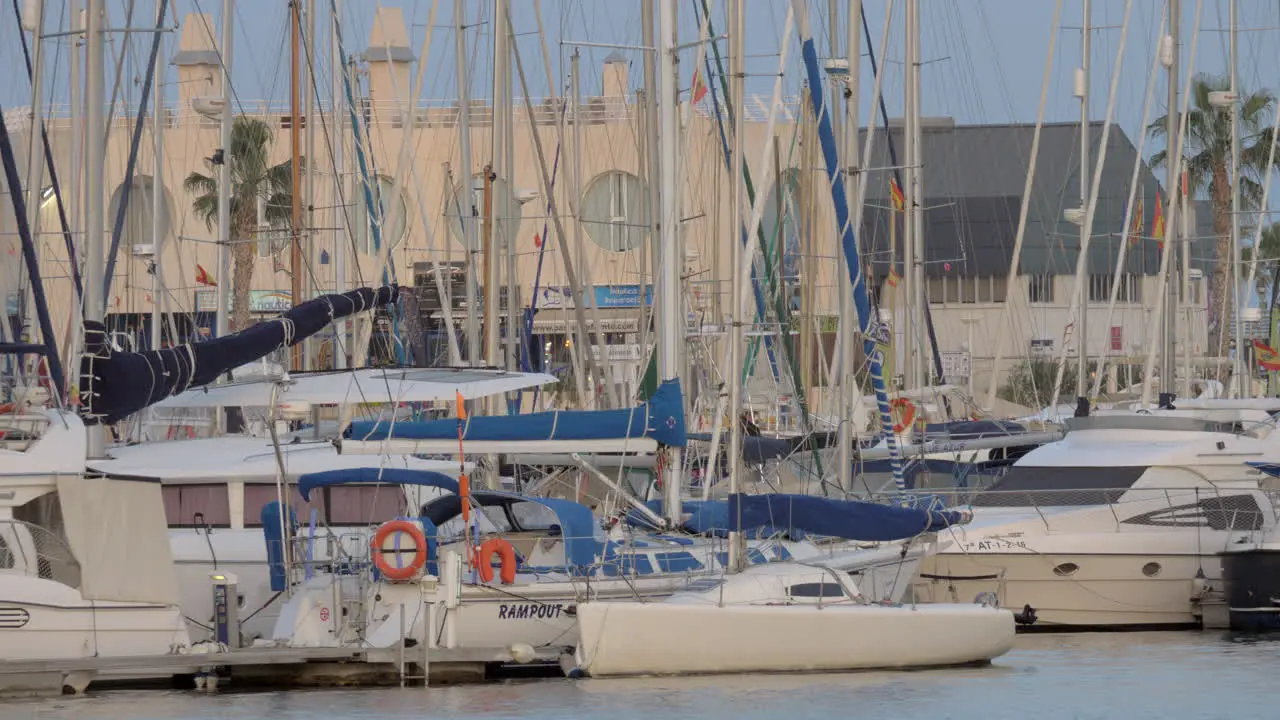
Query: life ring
{"points": [[405, 572], [908, 413], [484, 560]]}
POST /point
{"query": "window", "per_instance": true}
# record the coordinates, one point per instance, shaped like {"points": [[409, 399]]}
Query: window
{"points": [[956, 289], [460, 204], [365, 504], [137, 216], [615, 211], [257, 495], [1196, 284], [1040, 288], [393, 217], [1130, 288], [1028, 486], [816, 590], [188, 506]]}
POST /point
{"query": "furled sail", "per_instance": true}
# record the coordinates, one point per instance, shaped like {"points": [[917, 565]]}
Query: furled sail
{"points": [[848, 519], [660, 420], [114, 385]]}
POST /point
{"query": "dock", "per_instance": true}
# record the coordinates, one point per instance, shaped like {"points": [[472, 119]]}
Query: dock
{"points": [[273, 667]]}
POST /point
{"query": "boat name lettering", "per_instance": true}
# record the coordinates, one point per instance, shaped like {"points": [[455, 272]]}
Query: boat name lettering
{"points": [[528, 611], [994, 544]]}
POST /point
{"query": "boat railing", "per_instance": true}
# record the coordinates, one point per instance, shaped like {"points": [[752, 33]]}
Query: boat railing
{"points": [[1226, 507], [19, 431], [35, 551]]}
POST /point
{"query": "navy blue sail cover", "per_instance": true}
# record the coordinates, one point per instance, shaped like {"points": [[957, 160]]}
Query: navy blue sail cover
{"points": [[373, 475], [661, 418], [848, 519], [115, 385]]}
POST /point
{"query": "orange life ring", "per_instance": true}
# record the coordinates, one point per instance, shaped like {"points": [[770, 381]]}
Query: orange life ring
{"points": [[419, 555], [484, 560], [909, 413]]}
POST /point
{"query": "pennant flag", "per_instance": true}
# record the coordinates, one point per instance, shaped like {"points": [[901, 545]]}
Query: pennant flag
{"points": [[462, 405], [1268, 358], [203, 277], [1157, 224], [1138, 221], [537, 240], [894, 278], [899, 201], [699, 89]]}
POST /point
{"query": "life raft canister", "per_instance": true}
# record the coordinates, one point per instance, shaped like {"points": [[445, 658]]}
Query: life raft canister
{"points": [[399, 572], [505, 552]]}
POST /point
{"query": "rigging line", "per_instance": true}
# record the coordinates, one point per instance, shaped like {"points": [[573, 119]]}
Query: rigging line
{"points": [[131, 164], [897, 177], [115, 87], [48, 159]]}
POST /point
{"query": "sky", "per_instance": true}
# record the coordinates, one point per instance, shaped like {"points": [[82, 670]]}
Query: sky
{"points": [[984, 60]]}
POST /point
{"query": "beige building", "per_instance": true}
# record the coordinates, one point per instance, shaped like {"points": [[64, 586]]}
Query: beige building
{"points": [[603, 197]]}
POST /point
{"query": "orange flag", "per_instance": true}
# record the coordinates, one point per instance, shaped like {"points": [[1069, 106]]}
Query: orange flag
{"points": [[462, 405], [699, 89], [899, 201], [1157, 224], [203, 277]]}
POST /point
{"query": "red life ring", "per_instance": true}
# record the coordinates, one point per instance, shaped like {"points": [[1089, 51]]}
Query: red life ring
{"points": [[908, 413], [484, 560], [419, 555]]}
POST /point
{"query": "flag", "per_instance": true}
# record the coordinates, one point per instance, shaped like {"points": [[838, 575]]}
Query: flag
{"points": [[1157, 224], [893, 278], [1268, 358], [699, 89], [899, 201], [1138, 221], [462, 405], [203, 277], [537, 240]]}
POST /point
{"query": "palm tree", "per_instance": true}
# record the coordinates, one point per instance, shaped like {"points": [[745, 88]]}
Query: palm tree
{"points": [[1207, 158], [1267, 259], [251, 179]]}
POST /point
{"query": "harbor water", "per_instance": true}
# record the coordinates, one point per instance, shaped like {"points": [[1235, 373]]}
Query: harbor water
{"points": [[1131, 676]]}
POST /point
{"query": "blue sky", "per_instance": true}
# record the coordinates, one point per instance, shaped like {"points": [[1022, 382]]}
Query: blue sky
{"points": [[985, 58]]}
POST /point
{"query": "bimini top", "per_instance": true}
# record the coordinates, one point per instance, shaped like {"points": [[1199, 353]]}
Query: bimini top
{"points": [[366, 385], [389, 476], [582, 547], [636, 429]]}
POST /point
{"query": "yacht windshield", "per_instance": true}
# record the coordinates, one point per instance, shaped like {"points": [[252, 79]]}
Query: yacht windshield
{"points": [[1026, 486]]}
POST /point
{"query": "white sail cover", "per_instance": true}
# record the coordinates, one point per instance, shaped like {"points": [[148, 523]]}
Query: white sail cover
{"points": [[366, 385]]}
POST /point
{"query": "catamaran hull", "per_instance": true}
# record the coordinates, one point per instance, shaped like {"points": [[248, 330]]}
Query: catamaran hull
{"points": [[621, 639]]}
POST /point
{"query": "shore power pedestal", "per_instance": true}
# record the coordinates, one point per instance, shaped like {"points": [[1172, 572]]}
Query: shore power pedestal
{"points": [[226, 609]]}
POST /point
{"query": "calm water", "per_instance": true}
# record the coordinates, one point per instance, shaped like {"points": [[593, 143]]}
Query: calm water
{"points": [[1131, 676]]}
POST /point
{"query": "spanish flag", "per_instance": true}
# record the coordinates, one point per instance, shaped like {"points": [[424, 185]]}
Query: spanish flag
{"points": [[699, 89], [1138, 221], [203, 277], [894, 278], [1268, 359], [1157, 224], [899, 201]]}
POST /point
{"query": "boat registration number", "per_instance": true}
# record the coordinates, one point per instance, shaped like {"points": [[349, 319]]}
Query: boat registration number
{"points": [[529, 611], [993, 544]]}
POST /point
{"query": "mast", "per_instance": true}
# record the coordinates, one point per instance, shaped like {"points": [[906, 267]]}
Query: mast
{"points": [[494, 225], [341, 345], [466, 211], [847, 383], [1168, 371], [295, 167], [308, 354], [223, 280], [670, 323], [35, 156], [1082, 327], [1238, 366], [157, 197], [913, 227], [95, 156], [736, 32]]}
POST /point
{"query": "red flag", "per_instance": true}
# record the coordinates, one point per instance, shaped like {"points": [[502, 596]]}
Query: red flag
{"points": [[203, 277], [1157, 224], [537, 240], [699, 90], [899, 201]]}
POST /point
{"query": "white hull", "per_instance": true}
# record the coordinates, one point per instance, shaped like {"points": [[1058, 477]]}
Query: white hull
{"points": [[630, 638]]}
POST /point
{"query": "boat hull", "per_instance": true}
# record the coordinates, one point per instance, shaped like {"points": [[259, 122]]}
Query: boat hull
{"points": [[630, 638], [1251, 585]]}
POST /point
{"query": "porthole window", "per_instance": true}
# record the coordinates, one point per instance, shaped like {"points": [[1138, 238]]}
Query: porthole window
{"points": [[393, 220], [1151, 569], [505, 210], [1065, 569], [615, 211]]}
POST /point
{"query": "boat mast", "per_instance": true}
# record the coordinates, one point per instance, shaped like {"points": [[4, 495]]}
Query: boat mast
{"points": [[736, 32], [295, 167], [341, 345], [95, 156], [35, 156], [466, 210], [1082, 326], [223, 280], [670, 322], [157, 195], [1238, 366], [847, 384], [1168, 371], [309, 122], [913, 227]]}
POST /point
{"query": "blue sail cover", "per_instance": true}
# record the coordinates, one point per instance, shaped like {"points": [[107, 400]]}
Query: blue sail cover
{"points": [[660, 418], [114, 385], [848, 519], [372, 475]]}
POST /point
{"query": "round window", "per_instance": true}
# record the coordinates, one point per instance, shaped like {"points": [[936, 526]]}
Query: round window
{"points": [[1065, 569], [615, 211], [1151, 569], [505, 211]]}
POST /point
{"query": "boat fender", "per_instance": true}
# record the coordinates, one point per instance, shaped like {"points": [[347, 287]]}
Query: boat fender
{"points": [[1026, 617], [522, 653], [505, 552], [390, 572], [571, 611]]}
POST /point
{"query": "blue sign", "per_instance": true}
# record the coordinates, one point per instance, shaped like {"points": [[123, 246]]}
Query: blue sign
{"points": [[605, 296]]}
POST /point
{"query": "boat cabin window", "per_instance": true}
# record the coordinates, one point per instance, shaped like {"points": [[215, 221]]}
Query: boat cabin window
{"points": [[187, 506], [493, 519], [1028, 486], [365, 504], [816, 590], [531, 516], [256, 496]]}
